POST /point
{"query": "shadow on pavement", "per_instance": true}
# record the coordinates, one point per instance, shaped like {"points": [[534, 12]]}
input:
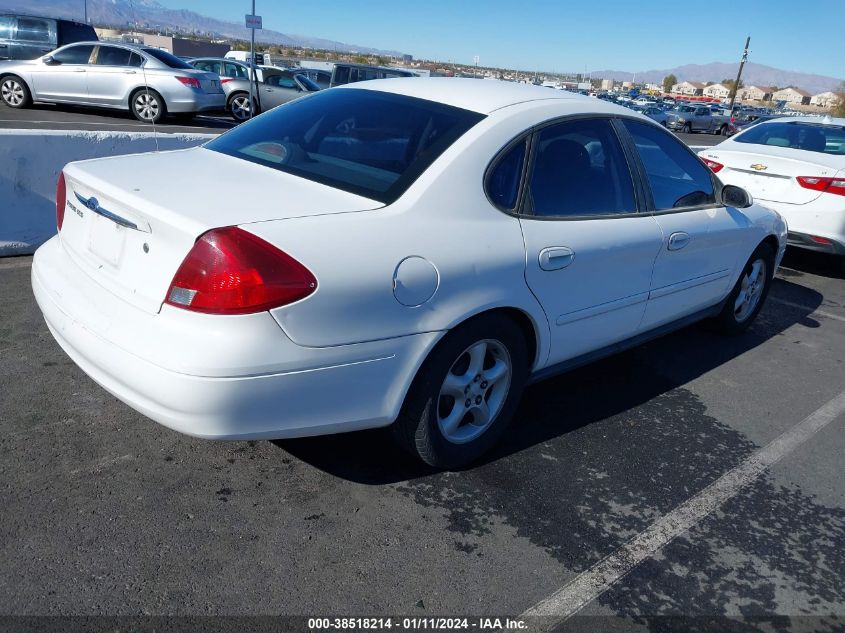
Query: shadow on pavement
{"points": [[619, 385]]}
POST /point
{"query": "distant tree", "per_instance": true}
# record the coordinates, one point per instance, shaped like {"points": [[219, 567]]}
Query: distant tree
{"points": [[708, 83], [668, 82], [360, 59], [839, 107], [729, 83]]}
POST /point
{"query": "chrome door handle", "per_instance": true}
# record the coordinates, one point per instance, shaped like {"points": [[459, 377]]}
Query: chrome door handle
{"points": [[79, 70], [129, 72], [678, 240], [556, 257]]}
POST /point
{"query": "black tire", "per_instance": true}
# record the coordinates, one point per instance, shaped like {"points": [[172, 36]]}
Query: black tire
{"points": [[147, 105], [723, 131], [14, 92], [237, 106], [731, 320], [418, 430], [687, 128]]}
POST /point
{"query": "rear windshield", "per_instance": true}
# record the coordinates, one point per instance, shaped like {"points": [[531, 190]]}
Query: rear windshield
{"points": [[811, 137], [370, 143], [171, 61]]}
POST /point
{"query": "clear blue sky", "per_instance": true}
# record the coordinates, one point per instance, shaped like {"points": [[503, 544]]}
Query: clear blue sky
{"points": [[559, 35]]}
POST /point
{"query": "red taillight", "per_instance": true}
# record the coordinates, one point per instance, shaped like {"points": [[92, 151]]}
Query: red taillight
{"points": [[225, 80], [231, 271], [191, 82], [713, 165], [821, 240], [61, 200], [828, 185]]}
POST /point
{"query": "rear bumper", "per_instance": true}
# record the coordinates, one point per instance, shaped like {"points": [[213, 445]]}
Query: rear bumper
{"points": [[193, 101], [220, 377], [822, 218]]}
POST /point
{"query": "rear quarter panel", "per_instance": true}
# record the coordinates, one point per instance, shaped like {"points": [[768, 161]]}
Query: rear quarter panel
{"points": [[445, 218]]}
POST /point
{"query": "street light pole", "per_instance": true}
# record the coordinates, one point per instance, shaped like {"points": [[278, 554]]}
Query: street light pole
{"points": [[251, 65], [86, 11], [739, 73]]}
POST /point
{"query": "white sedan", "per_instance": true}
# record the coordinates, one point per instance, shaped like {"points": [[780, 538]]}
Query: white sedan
{"points": [[400, 252], [796, 166]]}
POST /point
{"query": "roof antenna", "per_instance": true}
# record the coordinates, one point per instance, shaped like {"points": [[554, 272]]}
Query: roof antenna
{"points": [[146, 84]]}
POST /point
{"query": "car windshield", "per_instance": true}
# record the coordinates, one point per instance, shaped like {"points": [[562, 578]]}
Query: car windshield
{"points": [[685, 109], [367, 142], [171, 61], [811, 137]]}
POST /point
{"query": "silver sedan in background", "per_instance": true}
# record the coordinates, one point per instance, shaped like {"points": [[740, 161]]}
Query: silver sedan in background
{"points": [[276, 89], [148, 82]]}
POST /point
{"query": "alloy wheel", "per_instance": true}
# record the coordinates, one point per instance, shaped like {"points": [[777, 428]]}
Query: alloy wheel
{"points": [[474, 391], [147, 106], [750, 290], [240, 108], [12, 92]]}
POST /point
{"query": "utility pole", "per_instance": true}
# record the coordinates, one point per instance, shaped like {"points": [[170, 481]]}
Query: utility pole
{"points": [[86, 11], [739, 73]]}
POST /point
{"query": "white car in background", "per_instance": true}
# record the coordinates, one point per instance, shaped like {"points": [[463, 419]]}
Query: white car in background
{"points": [[795, 166], [408, 252]]}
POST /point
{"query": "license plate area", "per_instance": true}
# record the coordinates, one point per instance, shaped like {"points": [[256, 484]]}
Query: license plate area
{"points": [[106, 239]]}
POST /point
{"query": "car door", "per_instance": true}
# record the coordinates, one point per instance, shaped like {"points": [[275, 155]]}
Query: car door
{"points": [[113, 74], [64, 77], [33, 38], [278, 89], [589, 251], [701, 239]]}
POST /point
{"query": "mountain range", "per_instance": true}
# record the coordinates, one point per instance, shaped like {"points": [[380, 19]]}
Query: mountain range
{"points": [[151, 14], [752, 75]]}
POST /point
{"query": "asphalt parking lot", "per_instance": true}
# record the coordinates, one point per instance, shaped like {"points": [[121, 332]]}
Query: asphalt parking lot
{"points": [[105, 512], [53, 117]]}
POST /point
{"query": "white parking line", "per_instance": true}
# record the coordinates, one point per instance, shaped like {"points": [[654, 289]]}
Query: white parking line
{"points": [[593, 582], [821, 313]]}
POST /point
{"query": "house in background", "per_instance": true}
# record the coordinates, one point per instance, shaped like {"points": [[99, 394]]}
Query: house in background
{"points": [[756, 93], [824, 99], [688, 88], [792, 95], [717, 91]]}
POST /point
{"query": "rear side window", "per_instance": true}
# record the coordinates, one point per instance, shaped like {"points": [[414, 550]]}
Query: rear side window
{"points": [[34, 30], [366, 142], [503, 179], [676, 176], [171, 61], [74, 54], [208, 66], [234, 70], [6, 24], [113, 56], [580, 170], [811, 137]]}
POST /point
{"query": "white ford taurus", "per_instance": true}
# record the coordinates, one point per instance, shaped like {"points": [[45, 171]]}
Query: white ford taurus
{"points": [[401, 252]]}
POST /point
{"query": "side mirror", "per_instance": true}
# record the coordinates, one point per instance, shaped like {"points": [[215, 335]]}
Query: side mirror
{"points": [[737, 197], [50, 60]]}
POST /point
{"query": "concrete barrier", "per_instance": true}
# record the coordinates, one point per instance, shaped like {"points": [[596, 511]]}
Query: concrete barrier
{"points": [[30, 161]]}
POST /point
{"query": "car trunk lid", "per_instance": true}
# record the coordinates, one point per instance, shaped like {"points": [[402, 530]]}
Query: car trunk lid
{"points": [[772, 175], [131, 220]]}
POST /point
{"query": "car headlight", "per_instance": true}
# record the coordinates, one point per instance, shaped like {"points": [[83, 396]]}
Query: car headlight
{"points": [[680, 120]]}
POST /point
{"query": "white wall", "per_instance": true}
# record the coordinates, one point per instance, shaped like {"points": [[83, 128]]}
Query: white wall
{"points": [[30, 161]]}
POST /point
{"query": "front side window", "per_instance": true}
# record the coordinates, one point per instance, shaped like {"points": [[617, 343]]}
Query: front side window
{"points": [[676, 176], [366, 142], [503, 179], [580, 170], [811, 137], [33, 30], [74, 54]]}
